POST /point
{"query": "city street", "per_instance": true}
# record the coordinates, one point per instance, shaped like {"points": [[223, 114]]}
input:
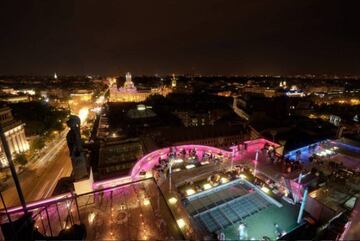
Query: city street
{"points": [[41, 176], [40, 179]]}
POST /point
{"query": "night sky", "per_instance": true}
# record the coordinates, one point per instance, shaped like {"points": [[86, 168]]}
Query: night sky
{"points": [[183, 36]]}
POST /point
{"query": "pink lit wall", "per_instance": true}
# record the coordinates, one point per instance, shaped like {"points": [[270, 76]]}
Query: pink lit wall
{"points": [[146, 163]]}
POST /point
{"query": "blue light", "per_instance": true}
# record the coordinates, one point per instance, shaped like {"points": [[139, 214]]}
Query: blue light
{"points": [[291, 155]]}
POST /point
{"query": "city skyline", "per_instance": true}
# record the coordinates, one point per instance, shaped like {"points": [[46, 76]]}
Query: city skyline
{"points": [[179, 120], [208, 38]]}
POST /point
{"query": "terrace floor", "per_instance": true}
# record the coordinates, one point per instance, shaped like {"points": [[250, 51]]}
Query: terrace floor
{"points": [[139, 211], [223, 208], [345, 153], [134, 211], [263, 223]]}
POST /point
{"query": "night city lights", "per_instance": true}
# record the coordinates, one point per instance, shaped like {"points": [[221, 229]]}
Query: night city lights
{"points": [[180, 120]]}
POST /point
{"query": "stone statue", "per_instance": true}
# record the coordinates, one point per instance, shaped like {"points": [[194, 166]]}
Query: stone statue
{"points": [[75, 147]]}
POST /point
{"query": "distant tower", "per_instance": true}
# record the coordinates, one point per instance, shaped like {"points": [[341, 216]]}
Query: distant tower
{"points": [[128, 77], [173, 81], [283, 84], [128, 82], [55, 76]]}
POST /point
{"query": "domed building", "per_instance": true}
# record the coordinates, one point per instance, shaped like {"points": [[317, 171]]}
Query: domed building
{"points": [[129, 93], [126, 93]]}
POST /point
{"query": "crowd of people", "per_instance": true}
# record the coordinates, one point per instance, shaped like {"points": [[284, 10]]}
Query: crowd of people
{"points": [[286, 165], [182, 157]]}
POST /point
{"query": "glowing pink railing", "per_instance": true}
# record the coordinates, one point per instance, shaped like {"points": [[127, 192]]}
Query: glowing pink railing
{"points": [[146, 163]]}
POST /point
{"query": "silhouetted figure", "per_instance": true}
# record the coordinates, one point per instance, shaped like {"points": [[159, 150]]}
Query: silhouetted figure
{"points": [[75, 147]]}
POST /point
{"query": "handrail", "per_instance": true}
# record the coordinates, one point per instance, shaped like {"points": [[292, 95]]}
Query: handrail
{"points": [[63, 197]]}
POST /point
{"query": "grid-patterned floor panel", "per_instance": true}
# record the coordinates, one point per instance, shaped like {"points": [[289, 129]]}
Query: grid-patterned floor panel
{"points": [[223, 207], [214, 198]]}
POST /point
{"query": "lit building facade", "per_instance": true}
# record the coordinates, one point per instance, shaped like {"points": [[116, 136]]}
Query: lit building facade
{"points": [[14, 133], [129, 93], [81, 103], [82, 95]]}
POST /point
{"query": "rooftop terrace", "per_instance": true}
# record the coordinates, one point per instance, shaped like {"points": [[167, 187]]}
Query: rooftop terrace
{"points": [[139, 207], [133, 211]]}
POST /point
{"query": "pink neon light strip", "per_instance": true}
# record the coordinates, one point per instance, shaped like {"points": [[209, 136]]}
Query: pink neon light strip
{"points": [[39, 203], [146, 163]]}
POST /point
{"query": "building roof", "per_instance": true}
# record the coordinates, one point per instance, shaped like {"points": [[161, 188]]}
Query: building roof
{"points": [[140, 114], [7, 120]]}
